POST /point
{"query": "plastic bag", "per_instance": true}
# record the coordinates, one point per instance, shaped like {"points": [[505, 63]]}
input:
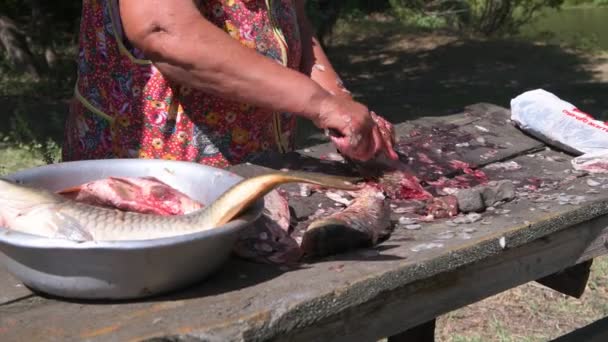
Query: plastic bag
{"points": [[559, 123], [592, 162]]}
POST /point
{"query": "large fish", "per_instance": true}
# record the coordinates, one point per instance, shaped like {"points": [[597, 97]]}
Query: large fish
{"points": [[366, 219], [362, 224], [146, 195], [41, 212]]}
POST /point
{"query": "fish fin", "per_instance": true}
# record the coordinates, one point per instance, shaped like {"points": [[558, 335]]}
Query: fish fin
{"points": [[124, 180], [67, 227], [133, 180], [70, 190], [332, 236], [247, 191], [125, 188], [154, 179]]}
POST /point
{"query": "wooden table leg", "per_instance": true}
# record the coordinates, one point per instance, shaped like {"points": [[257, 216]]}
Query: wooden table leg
{"points": [[572, 281], [424, 332], [594, 332]]}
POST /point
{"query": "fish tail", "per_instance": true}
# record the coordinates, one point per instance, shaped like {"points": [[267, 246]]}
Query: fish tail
{"points": [[70, 190], [333, 235], [359, 225], [336, 182]]}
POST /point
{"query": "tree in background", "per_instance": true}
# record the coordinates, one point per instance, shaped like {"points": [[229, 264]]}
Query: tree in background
{"points": [[31, 29], [506, 16], [486, 17]]}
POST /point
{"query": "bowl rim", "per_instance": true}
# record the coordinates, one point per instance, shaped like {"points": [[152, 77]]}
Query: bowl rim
{"points": [[26, 240]]}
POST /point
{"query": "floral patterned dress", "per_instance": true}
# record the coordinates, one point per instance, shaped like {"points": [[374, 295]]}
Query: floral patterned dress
{"points": [[125, 108]]}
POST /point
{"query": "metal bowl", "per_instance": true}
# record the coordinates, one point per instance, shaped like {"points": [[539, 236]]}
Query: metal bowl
{"points": [[123, 269]]}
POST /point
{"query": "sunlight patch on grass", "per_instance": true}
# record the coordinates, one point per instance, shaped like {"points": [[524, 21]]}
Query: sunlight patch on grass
{"points": [[530, 312], [17, 158]]}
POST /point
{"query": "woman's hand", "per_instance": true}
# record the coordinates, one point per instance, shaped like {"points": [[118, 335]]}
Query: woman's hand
{"points": [[387, 130], [357, 133]]}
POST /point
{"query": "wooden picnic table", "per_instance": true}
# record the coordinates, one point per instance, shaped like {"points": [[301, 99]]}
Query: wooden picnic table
{"points": [[395, 289]]}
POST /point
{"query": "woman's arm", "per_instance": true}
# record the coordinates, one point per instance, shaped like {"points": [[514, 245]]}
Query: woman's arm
{"points": [[315, 62], [190, 50]]}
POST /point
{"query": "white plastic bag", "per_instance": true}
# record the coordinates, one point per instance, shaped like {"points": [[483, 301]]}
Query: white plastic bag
{"points": [[559, 123], [596, 162]]}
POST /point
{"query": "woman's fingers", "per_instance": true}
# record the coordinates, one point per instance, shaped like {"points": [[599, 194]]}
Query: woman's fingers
{"points": [[388, 136]]}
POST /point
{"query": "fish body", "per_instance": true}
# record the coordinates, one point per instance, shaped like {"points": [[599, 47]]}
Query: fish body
{"points": [[366, 218], [41, 212], [361, 224], [146, 195]]}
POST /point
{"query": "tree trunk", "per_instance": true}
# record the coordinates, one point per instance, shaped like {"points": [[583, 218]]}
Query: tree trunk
{"points": [[14, 42], [329, 11], [44, 37]]}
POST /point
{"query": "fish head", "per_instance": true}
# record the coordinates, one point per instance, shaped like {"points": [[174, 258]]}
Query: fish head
{"points": [[17, 198]]}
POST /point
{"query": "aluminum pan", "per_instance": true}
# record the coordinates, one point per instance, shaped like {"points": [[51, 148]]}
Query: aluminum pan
{"points": [[123, 269]]}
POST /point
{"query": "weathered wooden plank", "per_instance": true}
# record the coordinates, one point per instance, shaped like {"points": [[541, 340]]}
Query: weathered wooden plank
{"points": [[409, 306], [424, 332], [594, 332], [487, 131], [11, 289], [572, 281]]}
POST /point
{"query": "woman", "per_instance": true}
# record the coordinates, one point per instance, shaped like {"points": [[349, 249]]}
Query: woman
{"points": [[214, 82]]}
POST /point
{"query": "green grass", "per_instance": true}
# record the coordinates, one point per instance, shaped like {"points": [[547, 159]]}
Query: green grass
{"points": [[530, 312], [584, 3], [14, 158], [460, 338]]}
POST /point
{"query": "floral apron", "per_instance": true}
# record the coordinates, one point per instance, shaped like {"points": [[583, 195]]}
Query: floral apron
{"points": [[125, 108]]}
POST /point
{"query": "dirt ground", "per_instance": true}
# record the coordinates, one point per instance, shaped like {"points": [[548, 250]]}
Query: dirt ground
{"points": [[405, 75]]}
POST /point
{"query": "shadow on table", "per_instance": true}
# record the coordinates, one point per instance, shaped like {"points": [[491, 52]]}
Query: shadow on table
{"points": [[234, 275], [238, 274]]}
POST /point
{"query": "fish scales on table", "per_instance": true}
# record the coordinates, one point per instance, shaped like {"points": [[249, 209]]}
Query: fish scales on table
{"points": [[330, 230], [438, 155], [422, 183], [45, 213], [396, 181], [433, 152]]}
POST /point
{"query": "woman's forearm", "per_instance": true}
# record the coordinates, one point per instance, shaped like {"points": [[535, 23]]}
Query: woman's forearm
{"points": [[193, 52], [321, 71]]}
